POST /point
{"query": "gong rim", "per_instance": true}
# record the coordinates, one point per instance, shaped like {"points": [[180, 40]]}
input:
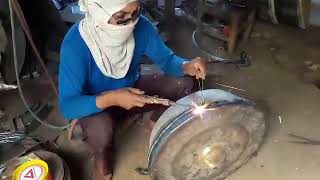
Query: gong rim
{"points": [[174, 111]]}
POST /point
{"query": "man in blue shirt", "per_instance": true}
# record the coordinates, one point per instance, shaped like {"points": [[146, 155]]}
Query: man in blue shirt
{"points": [[99, 72]]}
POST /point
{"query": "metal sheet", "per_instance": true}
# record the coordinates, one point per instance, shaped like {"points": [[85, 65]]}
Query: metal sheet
{"points": [[291, 12]]}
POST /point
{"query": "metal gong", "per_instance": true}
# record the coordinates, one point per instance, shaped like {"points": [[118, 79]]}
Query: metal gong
{"points": [[186, 145]]}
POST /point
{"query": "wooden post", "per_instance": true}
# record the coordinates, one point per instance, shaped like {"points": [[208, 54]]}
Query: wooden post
{"points": [[169, 6]]}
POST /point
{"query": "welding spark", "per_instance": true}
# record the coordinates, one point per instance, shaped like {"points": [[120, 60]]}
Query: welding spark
{"points": [[206, 151], [199, 109], [208, 163], [280, 120], [211, 109], [231, 87], [194, 104]]}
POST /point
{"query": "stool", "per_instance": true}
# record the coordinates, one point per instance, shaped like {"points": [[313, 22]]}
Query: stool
{"points": [[233, 19]]}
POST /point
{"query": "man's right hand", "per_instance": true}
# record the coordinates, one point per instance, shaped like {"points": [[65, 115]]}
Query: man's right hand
{"points": [[126, 98]]}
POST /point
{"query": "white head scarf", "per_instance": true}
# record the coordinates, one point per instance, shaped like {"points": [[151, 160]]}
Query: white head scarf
{"points": [[112, 46]]}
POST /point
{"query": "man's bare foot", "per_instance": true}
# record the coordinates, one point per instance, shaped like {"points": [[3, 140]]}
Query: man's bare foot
{"points": [[108, 177], [100, 172], [97, 175]]}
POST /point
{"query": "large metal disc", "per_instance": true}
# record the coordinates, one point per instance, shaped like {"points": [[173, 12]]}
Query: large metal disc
{"points": [[210, 146]]}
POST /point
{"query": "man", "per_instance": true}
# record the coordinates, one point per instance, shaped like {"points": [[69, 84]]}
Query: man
{"points": [[99, 72]]}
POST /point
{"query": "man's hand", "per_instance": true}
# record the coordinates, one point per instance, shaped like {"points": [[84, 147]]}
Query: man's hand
{"points": [[196, 67], [126, 98]]}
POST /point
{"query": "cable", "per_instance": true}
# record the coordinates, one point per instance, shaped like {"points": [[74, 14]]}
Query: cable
{"points": [[19, 14], [18, 80], [243, 61], [206, 53]]}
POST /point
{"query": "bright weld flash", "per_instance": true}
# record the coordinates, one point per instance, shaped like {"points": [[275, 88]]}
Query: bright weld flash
{"points": [[200, 109], [206, 151]]}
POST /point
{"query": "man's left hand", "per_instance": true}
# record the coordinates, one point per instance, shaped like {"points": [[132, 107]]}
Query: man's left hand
{"points": [[196, 67]]}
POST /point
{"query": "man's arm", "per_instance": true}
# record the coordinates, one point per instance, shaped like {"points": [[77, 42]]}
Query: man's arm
{"points": [[74, 102], [160, 54], [171, 64]]}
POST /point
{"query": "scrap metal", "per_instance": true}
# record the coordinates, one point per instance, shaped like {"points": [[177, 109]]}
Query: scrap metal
{"points": [[303, 140], [11, 137]]}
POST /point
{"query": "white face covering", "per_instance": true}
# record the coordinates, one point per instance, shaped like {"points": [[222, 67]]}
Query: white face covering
{"points": [[112, 46]]}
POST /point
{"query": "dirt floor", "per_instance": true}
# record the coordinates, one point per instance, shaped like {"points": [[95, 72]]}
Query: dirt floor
{"points": [[284, 59], [283, 77]]}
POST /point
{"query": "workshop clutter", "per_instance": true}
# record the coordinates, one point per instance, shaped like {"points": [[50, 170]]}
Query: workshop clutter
{"points": [[37, 165]]}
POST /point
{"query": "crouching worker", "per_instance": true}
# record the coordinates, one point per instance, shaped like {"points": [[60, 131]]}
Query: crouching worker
{"points": [[99, 72]]}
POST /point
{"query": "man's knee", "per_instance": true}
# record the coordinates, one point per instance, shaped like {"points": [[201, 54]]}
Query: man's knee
{"points": [[184, 86], [187, 83], [98, 130]]}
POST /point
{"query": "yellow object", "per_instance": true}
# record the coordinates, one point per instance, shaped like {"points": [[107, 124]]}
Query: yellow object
{"points": [[32, 170]]}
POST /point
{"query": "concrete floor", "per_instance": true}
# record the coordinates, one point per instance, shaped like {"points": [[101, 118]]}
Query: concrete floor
{"points": [[280, 78]]}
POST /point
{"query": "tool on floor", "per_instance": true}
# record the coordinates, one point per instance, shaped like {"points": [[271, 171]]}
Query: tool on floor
{"points": [[142, 171], [303, 140], [243, 60]]}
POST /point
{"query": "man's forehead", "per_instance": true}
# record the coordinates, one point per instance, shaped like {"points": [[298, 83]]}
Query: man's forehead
{"points": [[112, 6], [111, 3]]}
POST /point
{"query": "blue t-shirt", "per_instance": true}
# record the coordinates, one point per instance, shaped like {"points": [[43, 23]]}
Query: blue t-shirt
{"points": [[80, 80]]}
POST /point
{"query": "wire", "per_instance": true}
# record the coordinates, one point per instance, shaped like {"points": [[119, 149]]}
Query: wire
{"points": [[201, 90], [206, 53], [19, 14], [243, 61], [18, 80]]}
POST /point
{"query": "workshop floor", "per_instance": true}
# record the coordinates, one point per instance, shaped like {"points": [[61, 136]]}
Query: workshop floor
{"points": [[277, 79], [282, 77]]}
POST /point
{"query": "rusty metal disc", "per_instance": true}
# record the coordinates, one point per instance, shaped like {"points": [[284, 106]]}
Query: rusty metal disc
{"points": [[207, 146], [57, 167]]}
